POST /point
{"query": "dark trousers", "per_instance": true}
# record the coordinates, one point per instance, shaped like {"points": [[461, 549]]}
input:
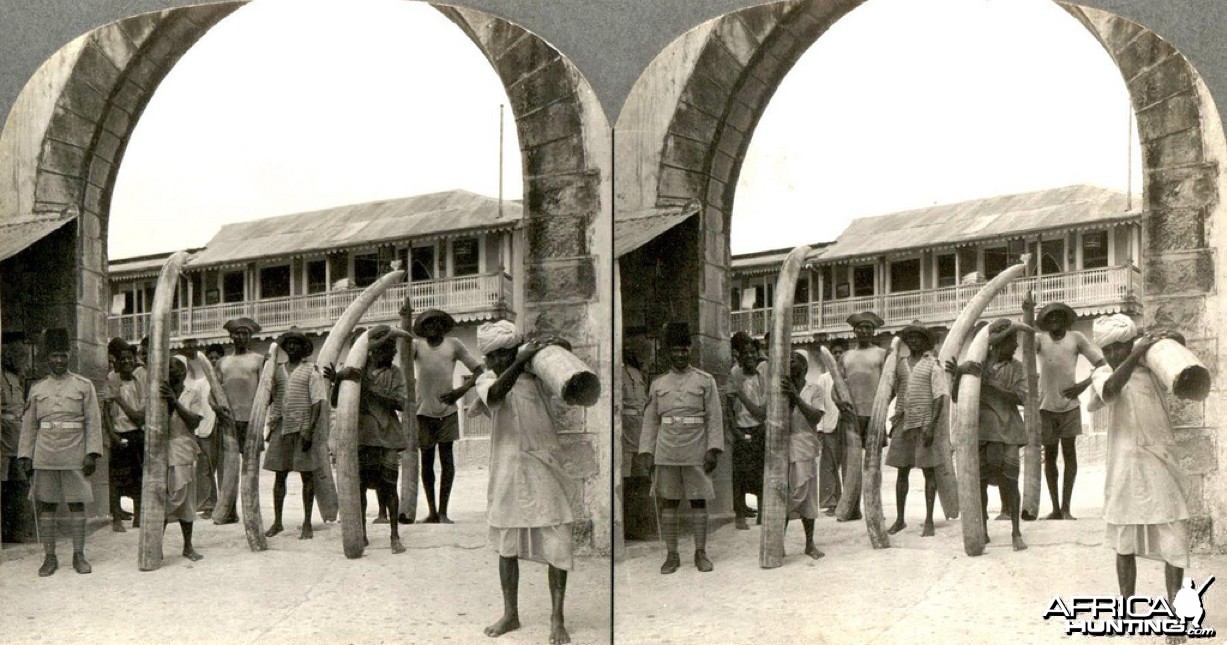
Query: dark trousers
{"points": [[829, 484], [748, 455]]}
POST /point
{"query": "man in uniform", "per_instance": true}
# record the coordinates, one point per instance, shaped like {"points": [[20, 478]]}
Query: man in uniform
{"points": [[683, 436], [862, 367], [61, 441], [1058, 349]]}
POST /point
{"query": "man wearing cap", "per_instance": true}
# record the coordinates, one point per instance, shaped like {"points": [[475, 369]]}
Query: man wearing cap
{"points": [[1145, 506], [435, 355], [123, 416], [529, 496], [303, 414], [916, 441], [683, 436], [1058, 349], [1003, 388], [380, 438], [61, 441], [240, 374], [862, 366]]}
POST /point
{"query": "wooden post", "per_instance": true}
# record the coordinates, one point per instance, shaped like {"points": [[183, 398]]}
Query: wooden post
{"points": [[349, 487], [409, 463], [872, 478], [1031, 453], [153, 489], [967, 447], [227, 493], [774, 504], [325, 487], [253, 524]]}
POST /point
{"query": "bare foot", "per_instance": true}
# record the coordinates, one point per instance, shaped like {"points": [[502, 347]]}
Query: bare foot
{"points": [[1019, 545], [987, 539], [118, 527], [741, 524], [504, 625], [813, 552], [397, 547], [850, 518], [207, 515], [306, 533], [1028, 516], [899, 525], [1002, 517], [1055, 515], [404, 519], [365, 542], [1065, 515], [432, 519], [192, 555], [928, 530], [558, 633], [381, 520], [443, 519], [273, 530]]}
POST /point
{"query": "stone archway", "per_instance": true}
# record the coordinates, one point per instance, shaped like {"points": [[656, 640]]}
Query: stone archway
{"points": [[64, 140], [689, 119]]}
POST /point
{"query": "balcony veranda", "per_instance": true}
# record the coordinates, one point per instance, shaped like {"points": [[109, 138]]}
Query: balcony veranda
{"points": [[467, 298], [1088, 292]]}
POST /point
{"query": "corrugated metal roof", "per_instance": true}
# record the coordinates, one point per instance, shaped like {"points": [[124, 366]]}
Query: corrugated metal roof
{"points": [[633, 230], [432, 215], [980, 219], [18, 236], [142, 265]]}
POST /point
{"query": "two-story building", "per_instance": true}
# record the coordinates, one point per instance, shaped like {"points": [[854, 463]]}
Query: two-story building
{"points": [[925, 264], [304, 269]]}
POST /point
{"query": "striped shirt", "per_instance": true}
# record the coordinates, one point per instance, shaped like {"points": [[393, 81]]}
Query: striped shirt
{"points": [[304, 388], [918, 386]]}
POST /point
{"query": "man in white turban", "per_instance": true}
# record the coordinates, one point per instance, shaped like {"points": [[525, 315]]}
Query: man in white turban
{"points": [[498, 335], [1144, 491], [529, 496]]}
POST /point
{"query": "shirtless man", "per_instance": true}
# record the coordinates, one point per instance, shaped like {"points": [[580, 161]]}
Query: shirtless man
{"points": [[1058, 349], [862, 367]]}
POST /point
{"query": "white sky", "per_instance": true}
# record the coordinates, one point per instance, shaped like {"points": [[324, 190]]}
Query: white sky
{"points": [[906, 104], [293, 105]]}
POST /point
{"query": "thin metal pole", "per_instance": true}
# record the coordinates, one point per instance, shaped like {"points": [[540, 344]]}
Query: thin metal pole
{"points": [[1129, 156], [500, 161]]}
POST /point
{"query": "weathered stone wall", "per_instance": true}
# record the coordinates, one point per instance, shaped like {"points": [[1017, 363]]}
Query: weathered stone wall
{"points": [[1183, 150]]}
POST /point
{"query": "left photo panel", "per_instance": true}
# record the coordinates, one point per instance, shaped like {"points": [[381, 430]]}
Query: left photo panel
{"points": [[306, 313]]}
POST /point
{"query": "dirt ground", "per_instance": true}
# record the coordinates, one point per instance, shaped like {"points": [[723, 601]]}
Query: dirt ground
{"points": [[920, 590], [443, 589]]}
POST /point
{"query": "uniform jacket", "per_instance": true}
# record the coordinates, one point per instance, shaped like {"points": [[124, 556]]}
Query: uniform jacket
{"points": [[691, 396], [68, 399]]}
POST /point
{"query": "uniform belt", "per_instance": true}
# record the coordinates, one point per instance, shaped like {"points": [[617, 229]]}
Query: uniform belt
{"points": [[670, 421], [70, 425]]}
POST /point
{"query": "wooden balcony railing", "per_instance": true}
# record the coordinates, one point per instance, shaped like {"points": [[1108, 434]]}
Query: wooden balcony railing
{"points": [[1114, 286], [466, 295]]}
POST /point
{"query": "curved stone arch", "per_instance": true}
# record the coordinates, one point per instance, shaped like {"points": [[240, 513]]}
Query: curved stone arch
{"points": [[720, 77], [64, 140]]}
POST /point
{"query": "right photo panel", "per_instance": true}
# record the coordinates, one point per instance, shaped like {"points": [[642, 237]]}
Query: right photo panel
{"points": [[914, 310]]}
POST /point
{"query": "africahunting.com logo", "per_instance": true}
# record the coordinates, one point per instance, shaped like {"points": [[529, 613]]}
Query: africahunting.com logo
{"points": [[1135, 615]]}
